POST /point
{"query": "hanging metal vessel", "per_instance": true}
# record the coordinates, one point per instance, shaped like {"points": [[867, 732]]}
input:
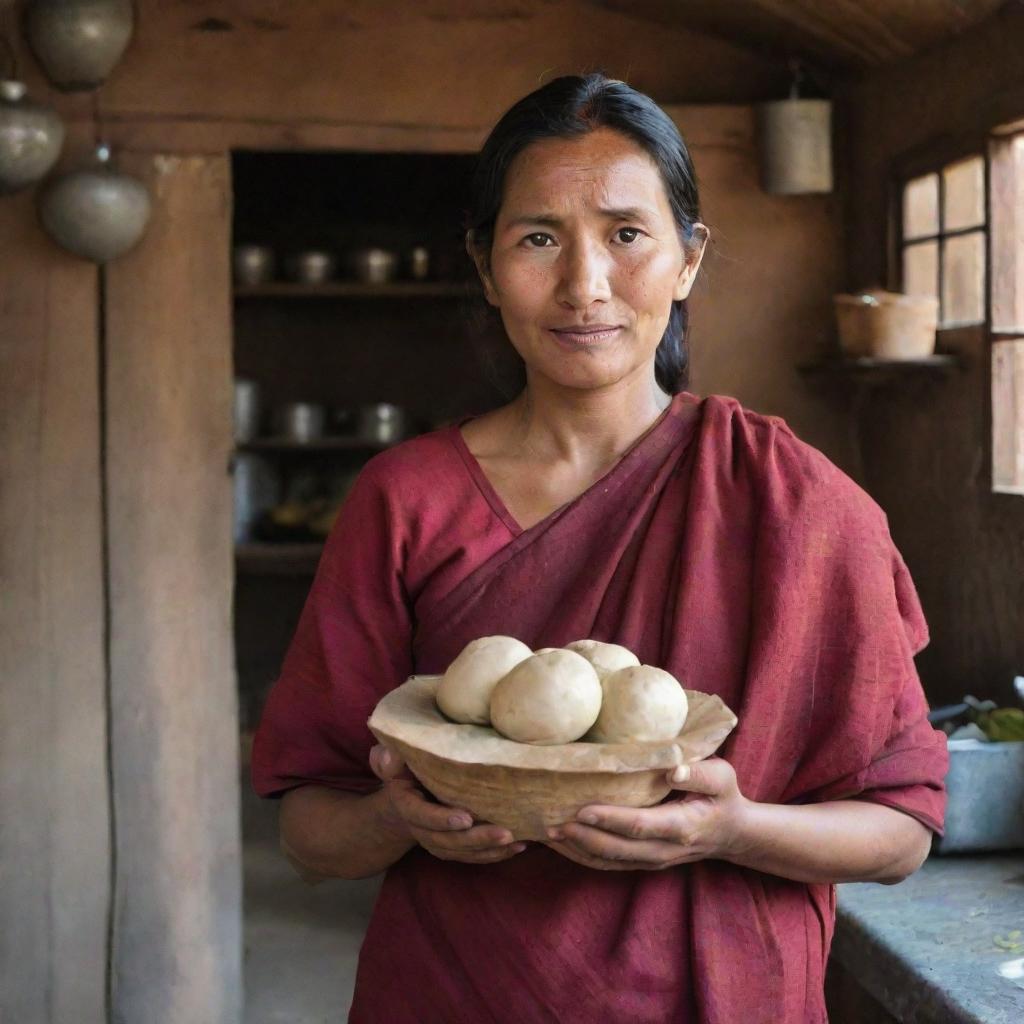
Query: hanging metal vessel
{"points": [[78, 42], [795, 140], [95, 212], [31, 138]]}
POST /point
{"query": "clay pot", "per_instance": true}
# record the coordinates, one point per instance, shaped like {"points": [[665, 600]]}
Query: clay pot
{"points": [[78, 42], [31, 137], [95, 212], [877, 324]]}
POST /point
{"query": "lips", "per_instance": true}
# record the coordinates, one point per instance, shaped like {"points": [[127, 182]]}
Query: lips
{"points": [[585, 334]]}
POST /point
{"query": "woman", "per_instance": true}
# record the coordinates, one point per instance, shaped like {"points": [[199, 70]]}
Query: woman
{"points": [[606, 501]]}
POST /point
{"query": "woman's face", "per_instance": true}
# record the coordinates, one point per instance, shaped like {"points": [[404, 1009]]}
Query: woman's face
{"points": [[586, 259]]}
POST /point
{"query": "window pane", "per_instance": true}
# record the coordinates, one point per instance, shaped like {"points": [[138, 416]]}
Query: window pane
{"points": [[921, 207], [963, 284], [964, 197], [1006, 219], [921, 269], [1008, 417]]}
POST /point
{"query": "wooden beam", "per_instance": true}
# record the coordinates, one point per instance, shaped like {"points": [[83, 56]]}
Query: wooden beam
{"points": [[143, 134], [849, 34], [54, 799], [174, 717]]}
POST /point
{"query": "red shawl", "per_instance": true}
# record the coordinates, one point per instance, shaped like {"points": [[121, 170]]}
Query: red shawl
{"points": [[721, 548]]}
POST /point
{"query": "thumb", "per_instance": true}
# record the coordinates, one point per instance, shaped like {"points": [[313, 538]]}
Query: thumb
{"points": [[387, 765], [710, 777]]}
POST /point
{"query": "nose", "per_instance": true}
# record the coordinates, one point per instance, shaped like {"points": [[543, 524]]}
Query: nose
{"points": [[584, 275]]}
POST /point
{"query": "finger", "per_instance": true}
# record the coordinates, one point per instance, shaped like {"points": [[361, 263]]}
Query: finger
{"points": [[632, 822], [417, 811], [477, 856], [597, 843], [387, 765], [713, 776], [480, 837]]}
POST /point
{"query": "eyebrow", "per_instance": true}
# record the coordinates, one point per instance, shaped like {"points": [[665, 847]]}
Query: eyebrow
{"points": [[550, 220]]}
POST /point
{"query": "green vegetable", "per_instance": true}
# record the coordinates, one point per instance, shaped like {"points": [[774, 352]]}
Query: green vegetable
{"points": [[1002, 724], [1010, 942]]}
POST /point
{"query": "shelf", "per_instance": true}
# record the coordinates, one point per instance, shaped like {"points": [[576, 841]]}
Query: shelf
{"points": [[359, 290], [868, 369], [257, 559], [322, 444]]}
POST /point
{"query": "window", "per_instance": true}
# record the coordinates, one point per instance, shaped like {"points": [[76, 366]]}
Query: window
{"points": [[944, 240], [1006, 159], [961, 239]]}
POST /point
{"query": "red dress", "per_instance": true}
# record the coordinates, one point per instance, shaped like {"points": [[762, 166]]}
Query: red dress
{"points": [[721, 548]]}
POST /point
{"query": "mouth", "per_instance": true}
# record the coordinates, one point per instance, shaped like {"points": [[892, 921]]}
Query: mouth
{"points": [[583, 335]]}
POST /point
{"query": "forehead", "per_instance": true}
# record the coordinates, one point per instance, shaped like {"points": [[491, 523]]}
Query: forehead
{"points": [[602, 165]]}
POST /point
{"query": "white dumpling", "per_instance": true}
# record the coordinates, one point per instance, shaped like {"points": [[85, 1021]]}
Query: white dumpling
{"points": [[641, 704], [464, 693], [550, 698], [604, 657]]}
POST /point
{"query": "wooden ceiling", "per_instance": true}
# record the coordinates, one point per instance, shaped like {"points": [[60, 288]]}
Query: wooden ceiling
{"points": [[845, 35]]}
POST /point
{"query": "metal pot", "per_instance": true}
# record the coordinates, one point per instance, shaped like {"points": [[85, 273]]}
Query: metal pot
{"points": [[246, 410], [381, 423], [795, 142], [78, 42], [31, 137], [95, 212], [374, 266], [253, 264], [302, 421], [256, 489], [419, 263], [313, 266]]}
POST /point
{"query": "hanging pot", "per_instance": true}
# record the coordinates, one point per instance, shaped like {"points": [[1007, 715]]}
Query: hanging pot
{"points": [[795, 141], [31, 137], [95, 212], [78, 42]]}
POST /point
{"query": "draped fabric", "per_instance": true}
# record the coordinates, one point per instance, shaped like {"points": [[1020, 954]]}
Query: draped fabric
{"points": [[720, 547]]}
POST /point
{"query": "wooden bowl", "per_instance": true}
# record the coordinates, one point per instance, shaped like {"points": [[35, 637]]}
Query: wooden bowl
{"points": [[528, 788]]}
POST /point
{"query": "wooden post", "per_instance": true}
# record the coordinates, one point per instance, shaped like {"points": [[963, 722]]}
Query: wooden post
{"points": [[176, 956], [54, 796]]}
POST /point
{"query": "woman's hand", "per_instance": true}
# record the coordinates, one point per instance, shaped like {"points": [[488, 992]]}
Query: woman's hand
{"points": [[706, 823], [446, 832]]}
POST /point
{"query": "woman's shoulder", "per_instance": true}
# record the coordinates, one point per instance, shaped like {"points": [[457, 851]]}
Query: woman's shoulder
{"points": [[409, 469], [790, 473]]}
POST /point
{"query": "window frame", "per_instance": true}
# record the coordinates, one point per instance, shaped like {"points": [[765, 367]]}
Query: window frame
{"points": [[934, 161], [931, 157]]}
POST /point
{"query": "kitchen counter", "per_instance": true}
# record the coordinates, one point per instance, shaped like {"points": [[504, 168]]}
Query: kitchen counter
{"points": [[928, 949]]}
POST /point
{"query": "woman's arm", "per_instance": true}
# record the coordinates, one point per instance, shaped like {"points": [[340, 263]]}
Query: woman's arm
{"points": [[839, 841], [327, 834], [330, 834]]}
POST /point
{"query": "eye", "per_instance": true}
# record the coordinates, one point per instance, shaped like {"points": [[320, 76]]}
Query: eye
{"points": [[635, 232], [536, 235]]}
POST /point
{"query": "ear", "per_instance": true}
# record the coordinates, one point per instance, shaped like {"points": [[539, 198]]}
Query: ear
{"points": [[691, 263], [480, 261]]}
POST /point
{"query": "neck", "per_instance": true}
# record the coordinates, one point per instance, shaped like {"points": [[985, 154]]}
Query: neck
{"points": [[584, 427]]}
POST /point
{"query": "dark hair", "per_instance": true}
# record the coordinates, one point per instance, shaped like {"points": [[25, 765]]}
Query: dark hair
{"points": [[566, 108]]}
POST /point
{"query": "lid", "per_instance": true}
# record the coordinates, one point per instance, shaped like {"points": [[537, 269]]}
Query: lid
{"points": [[881, 297]]}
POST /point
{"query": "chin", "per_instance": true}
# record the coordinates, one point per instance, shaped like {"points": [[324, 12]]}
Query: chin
{"points": [[584, 381]]}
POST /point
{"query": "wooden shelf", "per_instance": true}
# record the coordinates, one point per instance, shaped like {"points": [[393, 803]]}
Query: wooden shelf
{"points": [[322, 444], [257, 559], [359, 290], [865, 368]]}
